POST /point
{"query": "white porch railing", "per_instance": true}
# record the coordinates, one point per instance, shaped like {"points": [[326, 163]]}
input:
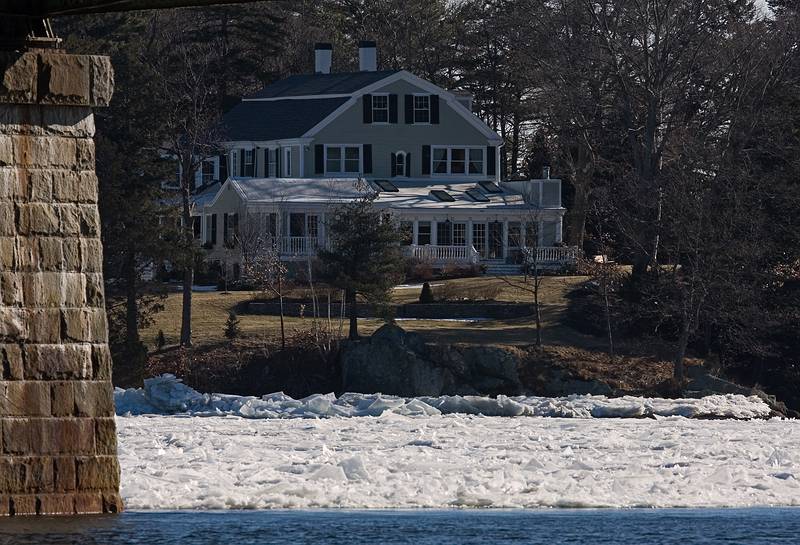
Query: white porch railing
{"points": [[291, 246], [454, 254], [552, 254]]}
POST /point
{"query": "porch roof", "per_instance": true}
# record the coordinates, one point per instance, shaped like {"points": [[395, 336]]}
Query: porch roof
{"points": [[410, 194]]}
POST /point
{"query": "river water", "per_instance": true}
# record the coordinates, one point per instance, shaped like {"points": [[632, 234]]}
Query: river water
{"points": [[416, 527]]}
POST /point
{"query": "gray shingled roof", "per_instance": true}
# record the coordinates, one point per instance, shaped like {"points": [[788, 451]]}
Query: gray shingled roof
{"points": [[321, 84], [276, 119]]}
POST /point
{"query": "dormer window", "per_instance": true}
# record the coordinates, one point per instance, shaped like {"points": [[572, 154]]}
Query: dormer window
{"points": [[422, 109], [380, 108]]}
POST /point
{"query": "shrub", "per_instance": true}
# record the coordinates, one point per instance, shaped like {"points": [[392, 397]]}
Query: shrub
{"points": [[161, 340], [451, 291], [232, 329], [418, 270], [460, 270], [489, 291], [426, 295]]}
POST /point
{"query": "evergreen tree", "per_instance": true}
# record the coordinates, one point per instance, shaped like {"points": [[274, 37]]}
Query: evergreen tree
{"points": [[364, 256], [232, 329]]}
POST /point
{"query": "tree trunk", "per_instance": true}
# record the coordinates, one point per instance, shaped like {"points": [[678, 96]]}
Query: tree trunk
{"points": [[536, 304], [576, 215], [608, 322], [680, 353], [280, 298], [188, 272], [131, 302], [352, 312]]}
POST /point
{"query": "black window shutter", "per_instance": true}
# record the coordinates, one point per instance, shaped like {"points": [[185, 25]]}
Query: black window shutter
{"points": [[491, 161], [225, 228], [392, 108], [435, 109], [367, 158], [409, 106], [235, 227], [408, 165], [319, 159], [223, 167], [213, 228], [277, 162], [426, 160], [241, 162], [367, 101], [394, 165]]}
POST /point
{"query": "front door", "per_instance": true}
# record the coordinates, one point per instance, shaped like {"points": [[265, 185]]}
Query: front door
{"points": [[495, 240]]}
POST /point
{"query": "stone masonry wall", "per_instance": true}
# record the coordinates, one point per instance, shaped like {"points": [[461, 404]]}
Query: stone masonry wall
{"points": [[57, 431]]}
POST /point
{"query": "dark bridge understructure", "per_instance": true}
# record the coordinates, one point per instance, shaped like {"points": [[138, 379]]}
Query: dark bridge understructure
{"points": [[58, 451]]}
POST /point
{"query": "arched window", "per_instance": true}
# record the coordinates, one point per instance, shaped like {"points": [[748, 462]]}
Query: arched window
{"points": [[399, 168]]}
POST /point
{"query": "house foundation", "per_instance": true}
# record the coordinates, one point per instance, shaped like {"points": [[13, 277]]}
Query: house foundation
{"points": [[57, 430]]}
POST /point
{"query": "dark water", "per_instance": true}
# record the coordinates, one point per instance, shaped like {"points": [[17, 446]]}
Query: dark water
{"points": [[591, 527]]}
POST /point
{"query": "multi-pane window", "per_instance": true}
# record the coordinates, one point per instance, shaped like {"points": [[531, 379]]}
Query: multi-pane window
{"points": [[457, 157], [440, 160], [249, 163], [235, 162], [479, 237], [423, 233], [400, 164], [272, 156], [406, 233], [287, 162], [422, 109], [476, 161], [312, 226], [207, 171], [457, 161], [343, 159], [297, 224], [459, 234], [444, 233], [380, 108]]}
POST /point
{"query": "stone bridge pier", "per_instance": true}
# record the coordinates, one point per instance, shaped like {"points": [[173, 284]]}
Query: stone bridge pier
{"points": [[57, 431]]}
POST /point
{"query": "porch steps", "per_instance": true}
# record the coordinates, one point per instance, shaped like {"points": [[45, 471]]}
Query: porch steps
{"points": [[501, 268]]}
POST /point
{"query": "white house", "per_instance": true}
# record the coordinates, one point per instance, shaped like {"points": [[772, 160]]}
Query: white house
{"points": [[297, 147]]}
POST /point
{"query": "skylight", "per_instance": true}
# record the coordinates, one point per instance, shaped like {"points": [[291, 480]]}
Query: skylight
{"points": [[387, 186], [442, 195], [477, 196], [490, 187]]}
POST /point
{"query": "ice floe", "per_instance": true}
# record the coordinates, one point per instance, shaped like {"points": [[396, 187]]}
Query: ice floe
{"points": [[168, 395], [455, 461]]}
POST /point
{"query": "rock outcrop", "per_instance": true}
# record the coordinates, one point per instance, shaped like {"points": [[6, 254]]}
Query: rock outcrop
{"points": [[397, 362]]}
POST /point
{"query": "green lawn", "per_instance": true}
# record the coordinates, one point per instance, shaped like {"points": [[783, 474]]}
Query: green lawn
{"points": [[210, 311]]}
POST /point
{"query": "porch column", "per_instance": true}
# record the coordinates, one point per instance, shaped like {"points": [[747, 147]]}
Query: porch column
{"points": [[559, 230], [415, 235], [540, 233], [301, 157], [469, 233]]}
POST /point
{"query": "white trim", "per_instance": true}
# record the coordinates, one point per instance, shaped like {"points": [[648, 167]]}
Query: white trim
{"points": [[228, 182]]}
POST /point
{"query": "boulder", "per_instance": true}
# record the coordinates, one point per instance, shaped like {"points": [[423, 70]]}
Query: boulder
{"points": [[391, 362], [394, 361]]}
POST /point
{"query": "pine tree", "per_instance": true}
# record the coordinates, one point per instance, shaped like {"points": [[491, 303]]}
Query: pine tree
{"points": [[364, 257], [232, 329], [426, 295]]}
